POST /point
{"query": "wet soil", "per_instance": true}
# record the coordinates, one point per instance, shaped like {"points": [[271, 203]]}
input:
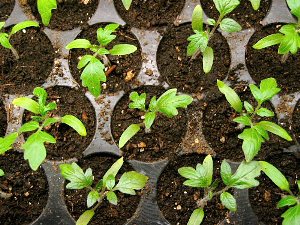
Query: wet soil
{"points": [[6, 7], [29, 191], [244, 14], [126, 66], [180, 71], [33, 67], [164, 138], [106, 214], [150, 13], [69, 143], [177, 202], [3, 119], [266, 63], [295, 122]]}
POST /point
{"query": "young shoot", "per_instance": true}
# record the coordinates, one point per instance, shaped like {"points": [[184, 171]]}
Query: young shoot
{"points": [[290, 200], [6, 144], [34, 148], [105, 188], [93, 73], [167, 104], [198, 42], [288, 37], [255, 4], [5, 37], [127, 4], [202, 177], [45, 8], [255, 130]]}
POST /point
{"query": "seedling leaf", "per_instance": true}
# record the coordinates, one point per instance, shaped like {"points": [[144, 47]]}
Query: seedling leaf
{"points": [[197, 18], [113, 170], [23, 25], [228, 201], [231, 96], [79, 43], [128, 134], [7, 142], [291, 216], [287, 201], [28, 104], [268, 41], [30, 126], [92, 198], [208, 59], [127, 4], [255, 4], [45, 8], [230, 25], [112, 197], [75, 123], [123, 49], [196, 217], [275, 129], [294, 5], [86, 217], [131, 181]]}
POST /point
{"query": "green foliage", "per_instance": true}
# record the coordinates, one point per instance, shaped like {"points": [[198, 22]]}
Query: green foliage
{"points": [[288, 37], [34, 147], [202, 177], [198, 42], [255, 4], [45, 8], [94, 64], [255, 132], [6, 144], [5, 37], [127, 4], [167, 104], [292, 215], [106, 188]]}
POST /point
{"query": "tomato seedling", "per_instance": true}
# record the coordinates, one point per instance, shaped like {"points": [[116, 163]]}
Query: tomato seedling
{"points": [[6, 144], [127, 4], [202, 177], [198, 42], [288, 37], [34, 148], [5, 37], [106, 188], [257, 132], [93, 73], [167, 104]]}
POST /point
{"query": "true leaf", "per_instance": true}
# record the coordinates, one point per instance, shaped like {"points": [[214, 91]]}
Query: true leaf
{"points": [[255, 4], [86, 217], [4, 40], [45, 8], [28, 104], [149, 119], [131, 181], [137, 101], [226, 172], [7, 142], [268, 88], [110, 182], [197, 18], [92, 198], [189, 173], [197, 41], [264, 112], [230, 25], [112, 197], [123, 49], [113, 170], [79, 43], [208, 166], [127, 4], [228, 201], [287, 201], [245, 120], [275, 129], [30, 126], [1, 173], [211, 22], [208, 59], [196, 217], [130, 131], [294, 5], [270, 40], [75, 123], [231, 96], [41, 94], [291, 216], [23, 25], [84, 61], [226, 6], [2, 25]]}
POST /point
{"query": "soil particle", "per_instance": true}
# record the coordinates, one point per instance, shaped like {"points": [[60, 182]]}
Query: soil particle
{"points": [[295, 122], [6, 7], [3, 119]]}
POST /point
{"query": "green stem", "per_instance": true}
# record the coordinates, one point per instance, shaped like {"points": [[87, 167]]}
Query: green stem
{"points": [[285, 57], [203, 202], [15, 53]]}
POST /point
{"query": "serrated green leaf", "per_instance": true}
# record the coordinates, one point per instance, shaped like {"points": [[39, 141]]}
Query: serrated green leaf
{"points": [[105, 36], [86, 217], [196, 217], [228, 201], [45, 8], [275, 129], [92, 198], [7, 142], [245, 120], [197, 18], [291, 216], [79, 43], [30, 126], [226, 172], [268, 41], [41, 94], [189, 173], [149, 119], [78, 179], [123, 49], [208, 59], [211, 22], [257, 94], [23, 25], [110, 182], [137, 101], [231, 96], [289, 44], [113, 170], [209, 169], [112, 197], [268, 88], [127, 4], [275, 175], [255, 4], [261, 131], [197, 41], [294, 5], [264, 112], [226, 6], [84, 61], [130, 131], [28, 104], [75, 123], [230, 25], [131, 181], [287, 201]]}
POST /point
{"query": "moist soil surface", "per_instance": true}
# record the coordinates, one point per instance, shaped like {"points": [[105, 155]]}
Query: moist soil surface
{"points": [[164, 137], [265, 197], [150, 13], [295, 121], [126, 66], [177, 201], [244, 14], [29, 191], [69, 14], [266, 63], [6, 7], [180, 71], [69, 143], [106, 214], [3, 119], [33, 67], [221, 132]]}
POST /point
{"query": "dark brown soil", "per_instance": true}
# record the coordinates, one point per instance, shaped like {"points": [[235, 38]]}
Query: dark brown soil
{"points": [[164, 138], [221, 132], [267, 62], [6, 7], [265, 197], [295, 121], [179, 71], [69, 143], [244, 14], [29, 191], [33, 67], [3, 119], [68, 15], [127, 64], [177, 202], [106, 214], [150, 13]]}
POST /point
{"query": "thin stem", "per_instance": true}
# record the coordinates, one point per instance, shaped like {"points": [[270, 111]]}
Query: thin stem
{"points": [[15, 53], [285, 57], [203, 202], [255, 111]]}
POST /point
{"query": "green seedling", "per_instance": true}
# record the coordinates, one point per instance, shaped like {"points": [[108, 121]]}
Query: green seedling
{"points": [[257, 129], [93, 73], [292, 215], [288, 37], [6, 144], [198, 42], [255, 4], [167, 104], [106, 188], [34, 148], [5, 37], [45, 8], [202, 177], [127, 4]]}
